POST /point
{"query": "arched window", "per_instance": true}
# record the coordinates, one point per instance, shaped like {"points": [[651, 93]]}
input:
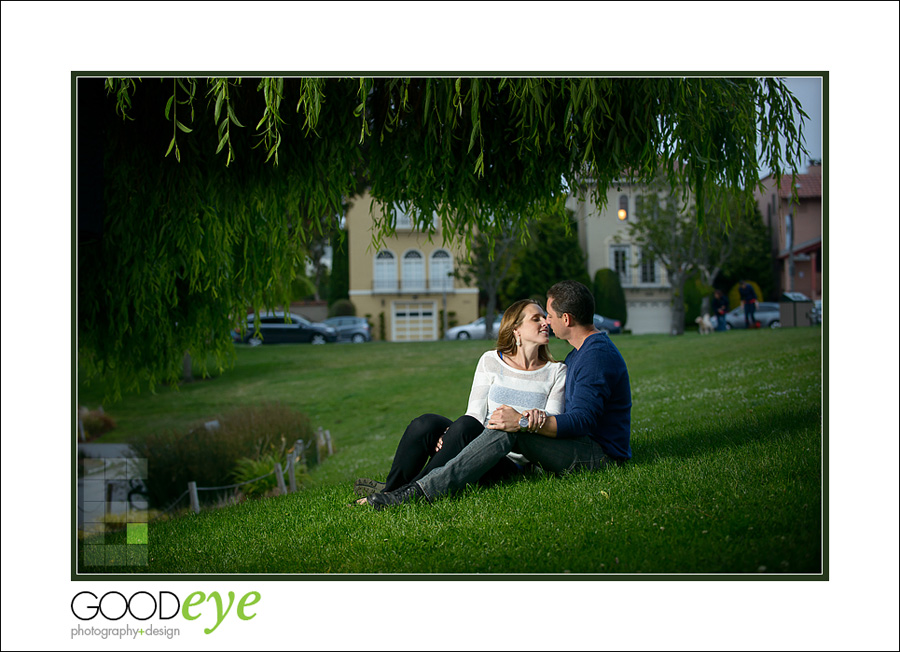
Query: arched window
{"points": [[441, 279], [413, 276], [385, 272]]}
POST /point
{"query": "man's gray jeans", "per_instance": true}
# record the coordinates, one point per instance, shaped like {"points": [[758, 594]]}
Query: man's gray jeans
{"points": [[555, 455]]}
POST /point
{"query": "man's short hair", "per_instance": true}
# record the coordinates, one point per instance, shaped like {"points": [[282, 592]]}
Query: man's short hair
{"points": [[574, 298]]}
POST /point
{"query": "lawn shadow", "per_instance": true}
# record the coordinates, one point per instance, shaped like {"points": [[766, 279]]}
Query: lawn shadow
{"points": [[712, 435]]}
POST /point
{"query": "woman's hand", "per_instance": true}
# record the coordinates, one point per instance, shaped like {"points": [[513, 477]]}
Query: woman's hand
{"points": [[536, 419], [440, 441], [504, 418]]}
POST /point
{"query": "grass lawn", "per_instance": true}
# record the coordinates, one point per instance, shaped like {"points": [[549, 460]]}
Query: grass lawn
{"points": [[726, 477]]}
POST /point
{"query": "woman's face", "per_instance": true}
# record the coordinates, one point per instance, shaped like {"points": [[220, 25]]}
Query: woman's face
{"points": [[534, 327]]}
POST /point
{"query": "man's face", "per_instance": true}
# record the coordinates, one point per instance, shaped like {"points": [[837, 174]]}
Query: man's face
{"points": [[556, 323]]}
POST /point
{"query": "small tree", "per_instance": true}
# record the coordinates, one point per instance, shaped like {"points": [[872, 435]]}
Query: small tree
{"points": [[486, 266], [609, 297], [552, 254], [665, 228]]}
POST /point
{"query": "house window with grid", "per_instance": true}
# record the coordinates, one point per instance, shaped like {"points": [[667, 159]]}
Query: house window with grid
{"points": [[441, 279], [620, 258], [385, 272], [649, 272], [413, 273]]}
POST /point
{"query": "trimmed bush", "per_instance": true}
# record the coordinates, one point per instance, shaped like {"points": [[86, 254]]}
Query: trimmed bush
{"points": [[342, 308], [609, 297]]}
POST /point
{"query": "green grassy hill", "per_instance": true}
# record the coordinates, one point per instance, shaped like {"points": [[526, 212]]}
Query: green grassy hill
{"points": [[726, 477]]}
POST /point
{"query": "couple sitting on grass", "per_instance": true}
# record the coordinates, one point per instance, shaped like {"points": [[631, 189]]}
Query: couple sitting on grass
{"points": [[524, 408]]}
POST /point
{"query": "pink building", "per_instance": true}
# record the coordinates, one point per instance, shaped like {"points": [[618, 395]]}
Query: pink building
{"points": [[796, 230]]}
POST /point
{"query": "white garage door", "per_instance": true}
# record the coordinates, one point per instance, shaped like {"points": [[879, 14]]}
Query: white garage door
{"points": [[414, 321], [649, 317]]}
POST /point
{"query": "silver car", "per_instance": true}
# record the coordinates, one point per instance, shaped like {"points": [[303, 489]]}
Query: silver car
{"points": [[768, 315], [350, 329], [473, 331]]}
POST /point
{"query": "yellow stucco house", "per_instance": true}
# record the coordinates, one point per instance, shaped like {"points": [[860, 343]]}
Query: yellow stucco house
{"points": [[406, 286]]}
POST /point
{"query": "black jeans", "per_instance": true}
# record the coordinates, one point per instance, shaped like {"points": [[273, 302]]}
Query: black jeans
{"points": [[416, 457]]}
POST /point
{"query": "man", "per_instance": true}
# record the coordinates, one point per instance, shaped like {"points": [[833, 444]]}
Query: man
{"points": [[593, 432], [748, 298], [720, 308]]}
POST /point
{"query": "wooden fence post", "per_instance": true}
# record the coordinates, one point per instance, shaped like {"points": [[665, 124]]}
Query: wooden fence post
{"points": [[321, 446], [292, 480], [328, 443], [300, 448], [195, 501], [279, 477]]}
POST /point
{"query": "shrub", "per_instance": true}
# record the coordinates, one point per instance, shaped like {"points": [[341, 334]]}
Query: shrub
{"points": [[342, 308], [208, 456], [264, 482], [609, 297], [95, 422]]}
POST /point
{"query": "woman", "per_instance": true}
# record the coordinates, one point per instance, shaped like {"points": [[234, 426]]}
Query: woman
{"points": [[519, 372]]}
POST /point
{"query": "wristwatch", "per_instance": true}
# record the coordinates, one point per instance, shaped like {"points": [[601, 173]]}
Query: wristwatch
{"points": [[523, 423]]}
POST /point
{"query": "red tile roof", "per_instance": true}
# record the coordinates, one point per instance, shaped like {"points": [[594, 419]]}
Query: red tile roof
{"points": [[809, 185]]}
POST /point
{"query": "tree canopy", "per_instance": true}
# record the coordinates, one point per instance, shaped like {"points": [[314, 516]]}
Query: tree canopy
{"points": [[197, 196]]}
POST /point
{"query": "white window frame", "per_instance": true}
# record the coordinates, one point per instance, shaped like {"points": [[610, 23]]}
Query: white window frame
{"points": [[656, 281], [384, 277], [440, 271], [412, 271], [625, 273]]}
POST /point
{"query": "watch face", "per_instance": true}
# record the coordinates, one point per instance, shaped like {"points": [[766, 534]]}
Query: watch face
{"points": [[523, 422]]}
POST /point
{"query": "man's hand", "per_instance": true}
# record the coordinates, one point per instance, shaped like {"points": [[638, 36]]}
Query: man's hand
{"points": [[504, 418]]}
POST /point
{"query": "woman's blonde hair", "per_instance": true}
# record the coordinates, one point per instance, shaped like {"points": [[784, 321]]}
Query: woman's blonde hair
{"points": [[512, 319]]}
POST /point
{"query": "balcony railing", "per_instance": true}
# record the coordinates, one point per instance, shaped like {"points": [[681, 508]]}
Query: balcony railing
{"points": [[418, 286]]}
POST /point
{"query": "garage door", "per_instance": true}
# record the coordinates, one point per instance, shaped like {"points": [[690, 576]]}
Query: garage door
{"points": [[649, 317], [414, 321]]}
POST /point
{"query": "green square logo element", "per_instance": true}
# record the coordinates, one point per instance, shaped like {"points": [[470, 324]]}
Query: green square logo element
{"points": [[137, 534]]}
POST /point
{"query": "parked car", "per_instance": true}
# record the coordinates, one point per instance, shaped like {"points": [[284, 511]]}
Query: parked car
{"points": [[274, 329], [475, 330], [350, 329], [607, 325], [768, 315]]}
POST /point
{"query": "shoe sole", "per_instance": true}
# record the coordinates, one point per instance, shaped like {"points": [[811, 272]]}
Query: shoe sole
{"points": [[365, 487]]}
